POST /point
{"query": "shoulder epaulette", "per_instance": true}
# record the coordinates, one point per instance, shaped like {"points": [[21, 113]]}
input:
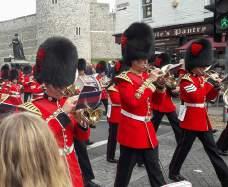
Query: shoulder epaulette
{"points": [[187, 77], [112, 88], [124, 76], [31, 108], [3, 97]]}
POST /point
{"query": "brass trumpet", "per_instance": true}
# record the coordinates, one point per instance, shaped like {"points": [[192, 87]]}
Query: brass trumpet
{"points": [[168, 81], [91, 116]]}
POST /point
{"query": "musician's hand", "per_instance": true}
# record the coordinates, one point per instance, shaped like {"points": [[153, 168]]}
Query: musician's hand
{"points": [[79, 115], [155, 74], [70, 104]]}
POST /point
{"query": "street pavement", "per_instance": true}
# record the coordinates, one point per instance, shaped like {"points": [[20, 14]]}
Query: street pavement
{"points": [[197, 168]]}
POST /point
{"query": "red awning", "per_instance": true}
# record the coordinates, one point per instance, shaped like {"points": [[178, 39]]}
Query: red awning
{"points": [[215, 45]]}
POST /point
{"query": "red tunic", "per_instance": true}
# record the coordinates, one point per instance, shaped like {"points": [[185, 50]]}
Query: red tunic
{"points": [[162, 102], [63, 133], [15, 94], [36, 90], [114, 106], [195, 90], [5, 86], [11, 92], [132, 132], [26, 81]]}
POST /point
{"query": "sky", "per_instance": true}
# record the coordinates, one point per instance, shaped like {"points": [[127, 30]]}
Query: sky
{"points": [[10, 9]]}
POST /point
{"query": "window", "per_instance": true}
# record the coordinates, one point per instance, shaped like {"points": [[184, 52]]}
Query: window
{"points": [[78, 31], [147, 8], [54, 1]]}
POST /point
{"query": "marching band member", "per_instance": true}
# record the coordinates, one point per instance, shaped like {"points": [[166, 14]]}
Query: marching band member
{"points": [[15, 89], [10, 96], [5, 69], [113, 114], [26, 79], [80, 145], [162, 100], [56, 64], [102, 78], [195, 90], [136, 134]]}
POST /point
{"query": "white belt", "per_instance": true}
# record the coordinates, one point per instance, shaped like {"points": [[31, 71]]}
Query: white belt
{"points": [[115, 105], [17, 96], [66, 150], [197, 105], [38, 94], [136, 117]]}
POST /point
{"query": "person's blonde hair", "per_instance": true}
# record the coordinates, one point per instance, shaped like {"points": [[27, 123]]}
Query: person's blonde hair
{"points": [[29, 154]]}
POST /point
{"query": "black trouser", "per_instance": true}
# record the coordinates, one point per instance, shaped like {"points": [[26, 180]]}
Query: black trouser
{"points": [[27, 96], [83, 160], [111, 146], [127, 161], [173, 119], [209, 145], [222, 142], [105, 103]]}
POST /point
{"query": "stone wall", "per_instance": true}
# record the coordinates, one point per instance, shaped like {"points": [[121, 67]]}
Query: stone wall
{"points": [[88, 24], [68, 18], [26, 29], [102, 30]]}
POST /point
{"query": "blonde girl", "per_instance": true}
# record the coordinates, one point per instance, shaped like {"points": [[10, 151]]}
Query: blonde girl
{"points": [[29, 154]]}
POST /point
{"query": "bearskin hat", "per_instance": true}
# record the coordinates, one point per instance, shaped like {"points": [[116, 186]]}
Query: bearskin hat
{"points": [[162, 60], [13, 75], [101, 67], [56, 62], [81, 64], [199, 54], [27, 69], [5, 69], [137, 42]]}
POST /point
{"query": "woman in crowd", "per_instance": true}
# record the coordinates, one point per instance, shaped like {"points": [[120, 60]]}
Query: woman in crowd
{"points": [[29, 154]]}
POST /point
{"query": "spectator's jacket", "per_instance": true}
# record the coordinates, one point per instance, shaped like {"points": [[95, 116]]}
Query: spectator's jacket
{"points": [[194, 92], [64, 128], [114, 106], [135, 128]]}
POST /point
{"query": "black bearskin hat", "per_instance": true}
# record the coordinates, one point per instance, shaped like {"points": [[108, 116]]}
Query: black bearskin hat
{"points": [[199, 54], [56, 62], [162, 60], [101, 67], [13, 75], [27, 69], [81, 64], [137, 42], [5, 71]]}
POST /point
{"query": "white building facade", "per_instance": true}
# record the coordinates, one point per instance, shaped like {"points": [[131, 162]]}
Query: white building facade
{"points": [[174, 21]]}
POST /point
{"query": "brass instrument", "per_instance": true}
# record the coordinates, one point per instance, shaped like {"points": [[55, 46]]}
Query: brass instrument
{"points": [[105, 81], [166, 79], [92, 116], [88, 114]]}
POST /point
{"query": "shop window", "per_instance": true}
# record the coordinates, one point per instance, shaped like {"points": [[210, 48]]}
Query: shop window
{"points": [[147, 8]]}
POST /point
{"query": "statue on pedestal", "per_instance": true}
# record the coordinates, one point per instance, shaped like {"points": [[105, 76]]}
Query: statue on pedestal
{"points": [[18, 51]]}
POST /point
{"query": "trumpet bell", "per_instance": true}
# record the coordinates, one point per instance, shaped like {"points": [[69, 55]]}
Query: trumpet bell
{"points": [[92, 115]]}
